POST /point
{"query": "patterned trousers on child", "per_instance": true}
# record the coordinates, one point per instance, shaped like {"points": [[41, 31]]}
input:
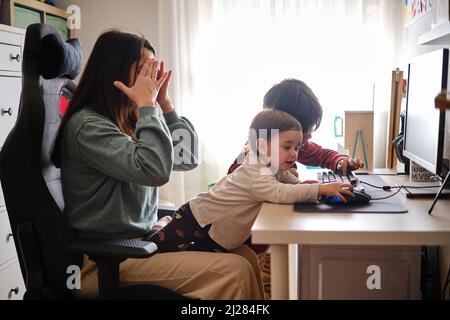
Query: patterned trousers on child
{"points": [[184, 233]]}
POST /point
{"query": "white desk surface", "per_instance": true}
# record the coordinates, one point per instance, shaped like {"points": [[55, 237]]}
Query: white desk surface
{"points": [[279, 224]]}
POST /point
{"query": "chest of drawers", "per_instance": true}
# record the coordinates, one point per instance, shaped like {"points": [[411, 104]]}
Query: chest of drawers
{"points": [[11, 46]]}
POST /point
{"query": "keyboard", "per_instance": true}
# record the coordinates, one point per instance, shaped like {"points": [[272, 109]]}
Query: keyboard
{"points": [[331, 176]]}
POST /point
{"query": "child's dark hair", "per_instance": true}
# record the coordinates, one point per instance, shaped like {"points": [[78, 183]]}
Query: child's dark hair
{"points": [[268, 120], [296, 98]]}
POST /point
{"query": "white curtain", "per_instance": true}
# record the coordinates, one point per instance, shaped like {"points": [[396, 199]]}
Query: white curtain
{"points": [[227, 53], [177, 29]]}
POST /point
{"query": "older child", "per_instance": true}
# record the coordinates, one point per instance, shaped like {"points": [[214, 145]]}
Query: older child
{"points": [[296, 98], [221, 219]]}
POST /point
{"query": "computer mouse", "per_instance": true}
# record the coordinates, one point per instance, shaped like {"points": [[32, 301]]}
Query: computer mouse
{"points": [[359, 198]]}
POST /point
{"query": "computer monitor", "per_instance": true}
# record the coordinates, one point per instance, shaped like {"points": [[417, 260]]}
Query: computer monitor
{"points": [[425, 125]]}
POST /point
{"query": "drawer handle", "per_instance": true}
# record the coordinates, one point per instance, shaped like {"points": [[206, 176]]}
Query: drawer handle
{"points": [[17, 57], [15, 291], [9, 237], [9, 111]]}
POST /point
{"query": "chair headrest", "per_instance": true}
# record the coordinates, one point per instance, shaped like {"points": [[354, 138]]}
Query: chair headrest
{"points": [[58, 58]]}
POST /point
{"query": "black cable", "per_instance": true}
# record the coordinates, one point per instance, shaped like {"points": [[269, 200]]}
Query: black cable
{"points": [[423, 187], [390, 196], [387, 188]]}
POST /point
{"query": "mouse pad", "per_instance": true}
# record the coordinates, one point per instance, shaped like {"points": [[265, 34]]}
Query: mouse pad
{"points": [[390, 205]]}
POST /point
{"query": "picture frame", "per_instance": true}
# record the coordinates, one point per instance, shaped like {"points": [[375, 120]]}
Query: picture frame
{"points": [[414, 10]]}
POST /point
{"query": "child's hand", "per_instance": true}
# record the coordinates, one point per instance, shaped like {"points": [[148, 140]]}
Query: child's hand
{"points": [[347, 165], [164, 221], [336, 189], [160, 224], [295, 172]]}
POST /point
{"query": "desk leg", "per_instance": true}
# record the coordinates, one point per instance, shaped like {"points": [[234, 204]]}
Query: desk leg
{"points": [[279, 266], [293, 272]]}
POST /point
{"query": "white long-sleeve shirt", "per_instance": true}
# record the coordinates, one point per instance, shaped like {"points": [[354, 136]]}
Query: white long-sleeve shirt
{"points": [[233, 204]]}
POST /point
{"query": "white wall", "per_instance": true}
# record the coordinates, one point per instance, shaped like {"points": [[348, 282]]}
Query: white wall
{"points": [[409, 48], [100, 15]]}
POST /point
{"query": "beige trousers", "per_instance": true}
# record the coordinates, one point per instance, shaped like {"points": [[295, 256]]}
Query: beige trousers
{"points": [[196, 275]]}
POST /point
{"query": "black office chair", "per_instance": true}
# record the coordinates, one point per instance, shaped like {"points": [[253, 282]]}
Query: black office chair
{"points": [[45, 243]]}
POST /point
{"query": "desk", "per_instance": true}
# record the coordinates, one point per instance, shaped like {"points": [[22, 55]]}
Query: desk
{"points": [[279, 226]]}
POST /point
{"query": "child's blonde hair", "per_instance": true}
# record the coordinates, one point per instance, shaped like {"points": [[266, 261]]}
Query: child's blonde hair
{"points": [[268, 120]]}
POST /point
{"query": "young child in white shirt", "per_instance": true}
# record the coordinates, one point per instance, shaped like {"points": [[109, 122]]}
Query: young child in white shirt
{"points": [[221, 219]]}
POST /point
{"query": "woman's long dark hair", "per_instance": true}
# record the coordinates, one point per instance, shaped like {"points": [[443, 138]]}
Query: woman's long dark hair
{"points": [[111, 59]]}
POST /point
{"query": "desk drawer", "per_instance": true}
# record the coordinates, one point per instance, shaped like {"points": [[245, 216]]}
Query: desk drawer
{"points": [[13, 37], [12, 286], [10, 58], [7, 247], [9, 104], [359, 273]]}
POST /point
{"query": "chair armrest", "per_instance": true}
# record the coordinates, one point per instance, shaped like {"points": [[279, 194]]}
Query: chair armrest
{"points": [[108, 254], [117, 249]]}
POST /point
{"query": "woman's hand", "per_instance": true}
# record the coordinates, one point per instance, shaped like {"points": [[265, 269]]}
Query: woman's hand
{"points": [[336, 189], [163, 97], [146, 87]]}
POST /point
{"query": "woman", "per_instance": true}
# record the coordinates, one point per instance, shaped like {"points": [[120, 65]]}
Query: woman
{"points": [[114, 151]]}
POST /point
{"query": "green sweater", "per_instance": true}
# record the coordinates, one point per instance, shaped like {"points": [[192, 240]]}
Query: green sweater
{"points": [[109, 181]]}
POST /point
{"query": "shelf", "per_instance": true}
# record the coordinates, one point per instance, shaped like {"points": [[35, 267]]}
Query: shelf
{"points": [[22, 13], [438, 36]]}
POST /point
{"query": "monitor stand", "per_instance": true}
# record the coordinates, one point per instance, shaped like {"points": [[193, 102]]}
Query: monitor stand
{"points": [[427, 192], [426, 189], [444, 187]]}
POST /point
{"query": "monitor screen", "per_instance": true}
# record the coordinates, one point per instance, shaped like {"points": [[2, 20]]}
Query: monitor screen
{"points": [[425, 125]]}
